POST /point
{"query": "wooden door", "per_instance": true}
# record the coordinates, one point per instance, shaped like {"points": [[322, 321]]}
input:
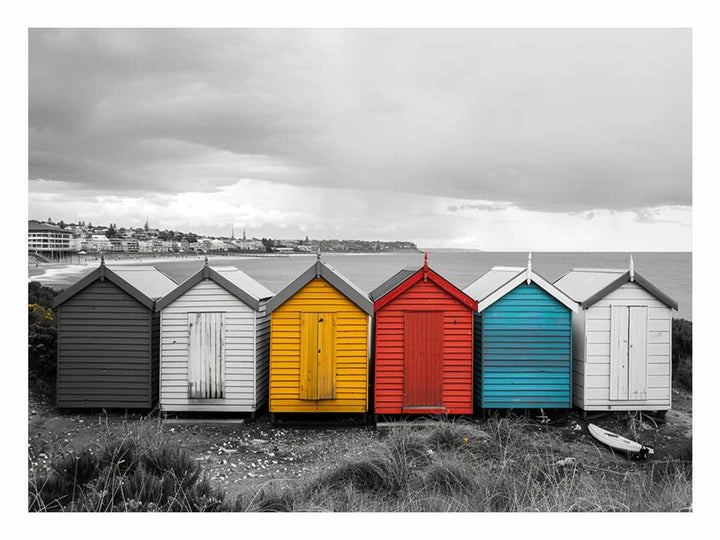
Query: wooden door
{"points": [[619, 337], [637, 330], [423, 358], [206, 355], [628, 352], [317, 356]]}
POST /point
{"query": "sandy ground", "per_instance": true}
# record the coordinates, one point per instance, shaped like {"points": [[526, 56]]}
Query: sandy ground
{"points": [[253, 453]]}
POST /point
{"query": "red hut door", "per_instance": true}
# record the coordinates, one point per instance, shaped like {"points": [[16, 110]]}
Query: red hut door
{"points": [[423, 358]]}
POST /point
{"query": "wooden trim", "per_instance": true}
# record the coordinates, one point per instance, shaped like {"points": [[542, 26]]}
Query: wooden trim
{"points": [[289, 291], [518, 280], [625, 278], [208, 273], [359, 299], [150, 357], [100, 273], [437, 279], [320, 270]]}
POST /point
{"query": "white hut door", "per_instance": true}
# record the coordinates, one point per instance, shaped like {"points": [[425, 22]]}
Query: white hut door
{"points": [[206, 355], [638, 352], [619, 336], [628, 353]]}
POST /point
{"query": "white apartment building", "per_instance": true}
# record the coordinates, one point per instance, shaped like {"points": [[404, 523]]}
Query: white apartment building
{"points": [[49, 240]]}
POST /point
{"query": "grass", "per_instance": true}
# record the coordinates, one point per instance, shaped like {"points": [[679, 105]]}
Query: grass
{"points": [[682, 353], [503, 465]]}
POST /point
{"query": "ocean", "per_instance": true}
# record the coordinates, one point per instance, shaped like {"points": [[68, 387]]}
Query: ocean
{"points": [[671, 272]]}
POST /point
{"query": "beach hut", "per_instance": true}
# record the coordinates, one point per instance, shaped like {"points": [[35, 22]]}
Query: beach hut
{"points": [[319, 344], [108, 338], [622, 344], [215, 334], [423, 344], [523, 340]]}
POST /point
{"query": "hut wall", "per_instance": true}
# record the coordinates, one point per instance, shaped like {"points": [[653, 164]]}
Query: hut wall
{"points": [[155, 354], [456, 378], [239, 351], [351, 351], [262, 356], [526, 351], [104, 346], [593, 384], [477, 357]]}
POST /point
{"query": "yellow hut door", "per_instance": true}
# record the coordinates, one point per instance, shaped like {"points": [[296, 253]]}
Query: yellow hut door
{"points": [[317, 356]]}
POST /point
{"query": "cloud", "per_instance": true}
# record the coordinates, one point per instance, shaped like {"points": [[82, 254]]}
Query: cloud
{"points": [[546, 120], [271, 209], [488, 207]]}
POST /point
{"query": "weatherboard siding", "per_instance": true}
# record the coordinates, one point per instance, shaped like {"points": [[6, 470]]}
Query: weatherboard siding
{"points": [[104, 350], [239, 349], [351, 351], [262, 355], [457, 349], [526, 351], [592, 368], [477, 358]]}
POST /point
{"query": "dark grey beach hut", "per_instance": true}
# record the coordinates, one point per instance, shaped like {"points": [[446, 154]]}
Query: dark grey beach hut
{"points": [[109, 338]]}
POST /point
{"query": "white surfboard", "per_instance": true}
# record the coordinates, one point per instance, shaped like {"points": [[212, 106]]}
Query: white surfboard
{"points": [[617, 442]]}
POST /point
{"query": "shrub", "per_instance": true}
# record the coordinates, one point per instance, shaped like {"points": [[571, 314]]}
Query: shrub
{"points": [[125, 475], [370, 476], [450, 477], [457, 436], [42, 336], [682, 352]]}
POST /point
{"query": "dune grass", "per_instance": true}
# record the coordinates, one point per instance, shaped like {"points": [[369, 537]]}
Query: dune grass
{"points": [[502, 465]]}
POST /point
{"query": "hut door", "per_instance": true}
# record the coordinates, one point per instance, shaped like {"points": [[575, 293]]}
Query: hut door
{"points": [[638, 352], [317, 356], [423, 358], [628, 352], [206, 355]]}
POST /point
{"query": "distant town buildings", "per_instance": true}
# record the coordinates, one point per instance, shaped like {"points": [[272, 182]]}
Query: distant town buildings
{"points": [[49, 240], [57, 241]]}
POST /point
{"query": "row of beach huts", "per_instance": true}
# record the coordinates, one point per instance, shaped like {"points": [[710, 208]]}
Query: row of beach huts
{"points": [[130, 337]]}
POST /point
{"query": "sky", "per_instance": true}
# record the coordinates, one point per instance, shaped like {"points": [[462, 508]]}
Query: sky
{"points": [[493, 139]]}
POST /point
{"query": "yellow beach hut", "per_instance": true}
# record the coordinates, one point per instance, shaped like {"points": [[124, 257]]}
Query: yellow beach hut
{"points": [[319, 344]]}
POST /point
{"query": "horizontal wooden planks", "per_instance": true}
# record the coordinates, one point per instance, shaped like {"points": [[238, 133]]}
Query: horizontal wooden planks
{"points": [[457, 349], [592, 370], [240, 383], [526, 351], [104, 354], [351, 351]]}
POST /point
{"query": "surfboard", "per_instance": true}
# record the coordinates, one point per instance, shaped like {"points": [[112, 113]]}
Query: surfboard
{"points": [[613, 440]]}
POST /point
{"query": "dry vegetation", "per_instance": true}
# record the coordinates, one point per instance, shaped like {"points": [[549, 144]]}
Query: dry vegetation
{"points": [[504, 464]]}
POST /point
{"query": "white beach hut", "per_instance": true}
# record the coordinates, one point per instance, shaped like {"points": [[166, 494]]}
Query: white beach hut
{"points": [[215, 343], [622, 340]]}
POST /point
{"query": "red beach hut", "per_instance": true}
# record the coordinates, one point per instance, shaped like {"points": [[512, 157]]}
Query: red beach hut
{"points": [[423, 345]]}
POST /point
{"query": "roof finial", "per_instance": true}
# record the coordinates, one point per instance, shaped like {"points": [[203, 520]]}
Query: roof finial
{"points": [[206, 259], [425, 268], [318, 253], [528, 278], [632, 269], [102, 260]]}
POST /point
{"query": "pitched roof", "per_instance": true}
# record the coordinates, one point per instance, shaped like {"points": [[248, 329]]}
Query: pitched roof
{"points": [[149, 280], [392, 282], [500, 280], [590, 285], [145, 284], [230, 278], [407, 277], [321, 270]]}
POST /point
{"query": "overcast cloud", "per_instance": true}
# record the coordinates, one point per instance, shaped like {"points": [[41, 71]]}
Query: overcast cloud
{"points": [[433, 133]]}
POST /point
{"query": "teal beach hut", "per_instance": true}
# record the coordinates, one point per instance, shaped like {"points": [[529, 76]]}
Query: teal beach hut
{"points": [[523, 340]]}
